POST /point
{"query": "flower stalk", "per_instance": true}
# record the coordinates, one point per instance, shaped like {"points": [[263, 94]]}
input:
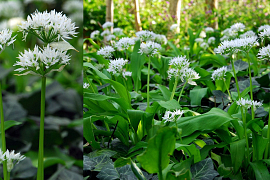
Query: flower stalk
{"points": [[148, 81]]}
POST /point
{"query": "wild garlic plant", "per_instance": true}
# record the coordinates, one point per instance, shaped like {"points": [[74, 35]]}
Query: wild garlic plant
{"points": [[149, 49], [52, 28], [180, 71], [6, 39]]}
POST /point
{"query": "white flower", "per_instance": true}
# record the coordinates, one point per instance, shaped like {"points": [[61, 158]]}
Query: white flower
{"points": [[246, 103], [146, 35], [174, 72], [186, 48], [159, 38], [107, 25], [209, 30], [41, 62], [204, 45], [172, 115], [94, 34], [126, 73], [124, 43], [228, 47], [106, 32], [49, 27], [219, 73], [110, 37], [174, 27], [224, 38], [263, 27], [211, 40], [238, 27], [247, 34], [12, 158], [189, 75], [118, 31], [2, 156], [117, 65], [72, 6], [86, 85], [229, 34], [6, 39], [264, 52], [106, 51], [179, 62], [265, 33], [199, 40], [149, 48]]}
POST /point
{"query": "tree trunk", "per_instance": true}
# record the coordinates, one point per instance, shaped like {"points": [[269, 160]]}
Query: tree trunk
{"points": [[211, 5], [109, 11], [137, 16], [175, 11]]}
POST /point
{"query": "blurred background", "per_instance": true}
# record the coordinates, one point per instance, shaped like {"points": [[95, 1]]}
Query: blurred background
{"points": [[21, 96]]}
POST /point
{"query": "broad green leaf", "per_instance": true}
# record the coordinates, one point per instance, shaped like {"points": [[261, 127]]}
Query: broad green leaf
{"points": [[215, 60], [108, 172], [122, 161], [237, 153], [136, 170], [259, 145], [160, 147], [206, 122], [191, 150], [203, 170], [260, 170], [170, 105], [53, 160], [196, 95], [96, 163], [205, 77], [165, 92], [135, 117]]}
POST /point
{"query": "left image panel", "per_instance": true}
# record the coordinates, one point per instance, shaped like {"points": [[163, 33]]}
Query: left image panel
{"points": [[41, 90]]}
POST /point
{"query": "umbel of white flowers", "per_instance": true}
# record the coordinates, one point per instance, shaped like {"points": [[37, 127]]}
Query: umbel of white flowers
{"points": [[149, 48], [11, 158], [6, 39], [106, 51], [41, 61], [124, 43], [117, 66], [246, 103], [264, 53], [172, 115], [48, 26], [219, 73]]}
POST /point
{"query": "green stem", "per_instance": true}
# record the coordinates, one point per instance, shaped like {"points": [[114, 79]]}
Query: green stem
{"points": [[40, 175], [174, 88], [160, 173], [3, 133], [227, 89], [181, 92], [148, 81], [8, 176], [246, 137], [266, 153], [251, 94]]}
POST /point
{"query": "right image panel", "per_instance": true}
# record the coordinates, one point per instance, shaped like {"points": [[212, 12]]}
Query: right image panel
{"points": [[176, 90]]}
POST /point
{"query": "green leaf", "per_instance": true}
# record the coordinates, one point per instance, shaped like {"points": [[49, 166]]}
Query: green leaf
{"points": [[191, 150], [215, 60], [53, 160], [88, 133], [108, 172], [96, 163], [135, 117], [160, 147], [136, 170], [203, 170], [206, 122], [165, 92], [239, 65], [261, 171], [196, 95], [237, 153], [121, 162], [136, 63], [170, 105]]}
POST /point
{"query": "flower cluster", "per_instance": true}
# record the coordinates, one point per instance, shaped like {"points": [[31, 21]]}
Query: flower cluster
{"points": [[149, 48], [6, 39], [263, 27], [41, 61], [106, 51], [118, 31], [229, 47], [219, 73], [180, 68], [86, 85], [117, 66], [264, 52], [232, 32], [246, 103], [171, 115], [199, 40], [110, 37], [94, 34], [248, 34], [211, 40], [107, 25], [48, 26], [265, 33], [174, 27], [105, 33], [146, 35], [204, 45], [208, 30], [11, 158], [9, 9], [159, 38], [124, 43]]}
